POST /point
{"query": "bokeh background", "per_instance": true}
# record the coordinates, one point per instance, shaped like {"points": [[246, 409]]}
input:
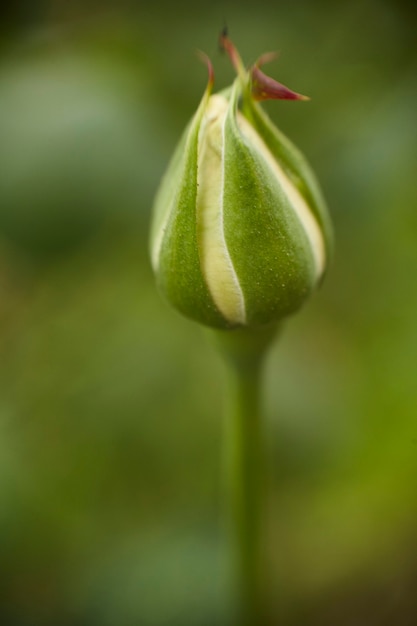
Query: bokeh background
{"points": [[111, 404]]}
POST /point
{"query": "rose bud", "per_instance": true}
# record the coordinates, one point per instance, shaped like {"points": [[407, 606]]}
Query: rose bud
{"points": [[241, 234]]}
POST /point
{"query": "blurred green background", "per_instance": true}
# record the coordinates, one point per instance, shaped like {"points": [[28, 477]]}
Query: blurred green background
{"points": [[111, 404]]}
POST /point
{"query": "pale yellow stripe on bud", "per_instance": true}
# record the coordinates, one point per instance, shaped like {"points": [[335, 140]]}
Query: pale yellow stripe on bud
{"points": [[216, 263], [300, 206]]}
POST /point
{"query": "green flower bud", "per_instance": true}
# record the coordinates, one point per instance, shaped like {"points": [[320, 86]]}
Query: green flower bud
{"points": [[240, 234]]}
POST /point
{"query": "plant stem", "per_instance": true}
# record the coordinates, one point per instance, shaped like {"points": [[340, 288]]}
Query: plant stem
{"points": [[243, 352], [244, 457]]}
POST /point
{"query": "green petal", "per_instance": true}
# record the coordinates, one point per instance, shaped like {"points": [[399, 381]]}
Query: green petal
{"points": [[294, 164], [174, 235], [268, 245]]}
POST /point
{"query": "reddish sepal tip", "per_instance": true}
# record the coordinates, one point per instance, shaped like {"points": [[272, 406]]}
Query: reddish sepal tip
{"points": [[206, 60], [227, 46], [266, 88]]}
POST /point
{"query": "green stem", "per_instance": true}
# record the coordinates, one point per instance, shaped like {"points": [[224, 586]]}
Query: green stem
{"points": [[244, 457], [243, 352]]}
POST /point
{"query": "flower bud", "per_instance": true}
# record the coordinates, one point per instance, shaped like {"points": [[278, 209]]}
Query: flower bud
{"points": [[240, 234]]}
